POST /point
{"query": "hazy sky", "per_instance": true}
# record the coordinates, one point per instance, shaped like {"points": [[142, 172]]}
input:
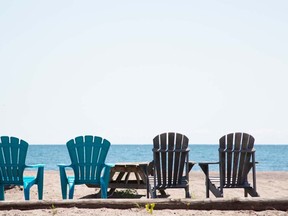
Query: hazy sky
{"points": [[129, 70]]}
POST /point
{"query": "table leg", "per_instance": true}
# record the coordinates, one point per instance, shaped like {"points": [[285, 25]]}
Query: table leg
{"points": [[162, 192], [127, 178], [119, 177], [137, 177]]}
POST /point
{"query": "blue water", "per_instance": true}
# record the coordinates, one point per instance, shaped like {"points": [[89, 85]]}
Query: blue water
{"points": [[270, 157]]}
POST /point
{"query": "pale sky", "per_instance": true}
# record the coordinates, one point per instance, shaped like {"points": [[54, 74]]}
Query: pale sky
{"points": [[130, 70]]}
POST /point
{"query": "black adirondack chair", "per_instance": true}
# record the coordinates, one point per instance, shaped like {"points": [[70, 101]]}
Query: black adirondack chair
{"points": [[236, 159], [170, 166]]}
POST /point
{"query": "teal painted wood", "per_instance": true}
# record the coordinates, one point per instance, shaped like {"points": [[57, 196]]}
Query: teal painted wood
{"points": [[88, 155], [171, 164], [13, 153]]}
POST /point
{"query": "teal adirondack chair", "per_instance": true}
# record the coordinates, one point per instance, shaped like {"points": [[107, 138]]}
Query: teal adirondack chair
{"points": [[13, 153], [87, 156]]}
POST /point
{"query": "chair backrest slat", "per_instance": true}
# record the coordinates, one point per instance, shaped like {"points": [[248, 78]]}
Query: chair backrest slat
{"points": [[171, 138], [80, 154], [242, 157], [183, 155], [15, 155], [102, 155], [156, 157], [238, 137], [222, 159], [88, 153], [247, 159], [163, 156], [177, 160], [95, 155], [229, 147], [6, 150]]}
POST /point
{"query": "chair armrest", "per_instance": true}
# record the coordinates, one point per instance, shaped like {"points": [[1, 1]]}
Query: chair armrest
{"points": [[35, 166], [106, 172], [256, 162], [190, 165], [62, 167], [208, 163], [63, 175], [40, 172], [205, 166], [109, 165]]}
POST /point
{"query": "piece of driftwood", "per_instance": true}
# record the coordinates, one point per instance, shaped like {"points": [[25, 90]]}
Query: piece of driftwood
{"points": [[256, 204]]}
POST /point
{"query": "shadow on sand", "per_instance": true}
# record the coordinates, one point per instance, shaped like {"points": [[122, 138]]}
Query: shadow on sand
{"points": [[118, 194]]}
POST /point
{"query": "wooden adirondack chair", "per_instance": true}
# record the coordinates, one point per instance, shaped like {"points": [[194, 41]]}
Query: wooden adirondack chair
{"points": [[87, 156], [236, 159], [170, 164], [13, 153]]}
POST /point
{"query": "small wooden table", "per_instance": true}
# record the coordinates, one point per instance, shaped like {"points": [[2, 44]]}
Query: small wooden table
{"points": [[124, 179], [120, 176]]}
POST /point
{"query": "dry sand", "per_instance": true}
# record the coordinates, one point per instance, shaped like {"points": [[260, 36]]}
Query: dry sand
{"points": [[269, 185]]}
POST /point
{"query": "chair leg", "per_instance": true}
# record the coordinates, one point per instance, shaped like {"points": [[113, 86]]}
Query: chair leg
{"points": [[64, 191], [2, 192], [26, 187], [162, 192], [40, 191], [153, 195], [187, 193], [63, 182], [39, 181], [148, 191], [252, 192], [27, 193], [205, 169], [104, 189], [71, 191]]}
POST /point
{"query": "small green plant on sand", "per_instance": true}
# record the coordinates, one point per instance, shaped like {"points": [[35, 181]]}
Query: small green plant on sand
{"points": [[137, 205], [53, 210], [150, 207], [193, 196], [128, 193]]}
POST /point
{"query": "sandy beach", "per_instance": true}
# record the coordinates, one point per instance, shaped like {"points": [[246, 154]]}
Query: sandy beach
{"points": [[269, 185]]}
